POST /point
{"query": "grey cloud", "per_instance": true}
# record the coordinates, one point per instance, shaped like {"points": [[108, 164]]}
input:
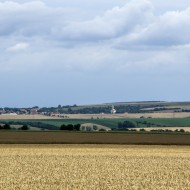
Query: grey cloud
{"points": [[114, 23], [131, 25], [169, 29], [29, 19], [78, 45], [172, 28]]}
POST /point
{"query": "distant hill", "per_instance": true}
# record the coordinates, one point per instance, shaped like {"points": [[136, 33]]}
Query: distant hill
{"points": [[122, 107]]}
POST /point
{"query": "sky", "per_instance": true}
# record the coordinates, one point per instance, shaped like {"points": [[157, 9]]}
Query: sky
{"points": [[88, 52]]}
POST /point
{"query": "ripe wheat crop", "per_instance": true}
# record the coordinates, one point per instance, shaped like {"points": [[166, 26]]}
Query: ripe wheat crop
{"points": [[94, 167]]}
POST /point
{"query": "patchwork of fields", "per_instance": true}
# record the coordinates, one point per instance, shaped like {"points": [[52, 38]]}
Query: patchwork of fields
{"points": [[111, 123], [30, 167]]}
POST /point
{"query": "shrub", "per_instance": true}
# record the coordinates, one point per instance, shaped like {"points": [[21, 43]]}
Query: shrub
{"points": [[25, 127], [68, 127], [95, 128]]}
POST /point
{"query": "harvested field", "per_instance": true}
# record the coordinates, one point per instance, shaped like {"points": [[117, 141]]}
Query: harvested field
{"points": [[94, 167], [4, 117], [100, 116], [126, 115], [165, 128], [38, 137]]}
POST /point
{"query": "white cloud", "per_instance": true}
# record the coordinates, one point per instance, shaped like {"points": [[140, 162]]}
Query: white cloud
{"points": [[10, 6], [18, 47], [123, 39], [30, 19], [167, 30], [131, 25], [114, 23]]}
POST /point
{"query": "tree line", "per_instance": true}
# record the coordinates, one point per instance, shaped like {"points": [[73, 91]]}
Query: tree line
{"points": [[8, 127], [70, 127], [98, 109]]}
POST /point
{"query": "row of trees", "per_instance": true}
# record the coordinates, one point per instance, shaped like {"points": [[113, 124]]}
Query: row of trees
{"points": [[125, 125], [70, 127], [8, 127], [98, 109], [41, 125], [5, 127]]}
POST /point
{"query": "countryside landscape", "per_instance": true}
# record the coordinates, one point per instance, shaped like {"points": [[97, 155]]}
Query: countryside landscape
{"points": [[112, 150], [94, 95], [110, 155], [136, 117]]}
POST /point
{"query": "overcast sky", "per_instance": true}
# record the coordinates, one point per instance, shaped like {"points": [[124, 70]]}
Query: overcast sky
{"points": [[87, 52]]}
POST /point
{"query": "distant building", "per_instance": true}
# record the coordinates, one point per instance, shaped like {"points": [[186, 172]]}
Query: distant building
{"points": [[23, 111], [2, 111], [34, 111], [113, 110]]}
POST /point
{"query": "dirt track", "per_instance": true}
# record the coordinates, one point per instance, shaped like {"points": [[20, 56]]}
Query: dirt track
{"points": [[92, 138]]}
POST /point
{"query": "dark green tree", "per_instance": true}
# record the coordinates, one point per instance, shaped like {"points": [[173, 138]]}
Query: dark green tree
{"points": [[77, 127], [126, 125], [68, 127], [63, 126], [7, 127], [25, 127]]}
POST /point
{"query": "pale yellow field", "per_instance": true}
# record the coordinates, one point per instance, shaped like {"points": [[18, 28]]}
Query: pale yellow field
{"points": [[126, 115], [25, 117], [164, 128], [95, 116], [94, 167]]}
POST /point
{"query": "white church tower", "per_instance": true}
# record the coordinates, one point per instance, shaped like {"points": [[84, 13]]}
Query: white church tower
{"points": [[113, 110]]}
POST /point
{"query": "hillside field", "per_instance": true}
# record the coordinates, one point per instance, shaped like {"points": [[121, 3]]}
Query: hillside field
{"points": [[112, 123]]}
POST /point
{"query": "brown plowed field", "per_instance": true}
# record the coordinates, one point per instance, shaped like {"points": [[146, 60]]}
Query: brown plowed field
{"points": [[92, 138]]}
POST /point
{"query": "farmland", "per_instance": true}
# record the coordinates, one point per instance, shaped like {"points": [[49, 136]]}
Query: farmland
{"points": [[122, 108], [109, 122], [148, 114], [94, 167], [102, 116], [66, 137]]}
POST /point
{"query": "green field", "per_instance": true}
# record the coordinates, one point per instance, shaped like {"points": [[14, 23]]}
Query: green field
{"points": [[113, 123]]}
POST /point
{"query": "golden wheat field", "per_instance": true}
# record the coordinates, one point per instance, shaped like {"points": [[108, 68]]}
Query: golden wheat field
{"points": [[94, 167]]}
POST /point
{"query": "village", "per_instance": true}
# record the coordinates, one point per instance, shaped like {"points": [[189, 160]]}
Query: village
{"points": [[37, 111]]}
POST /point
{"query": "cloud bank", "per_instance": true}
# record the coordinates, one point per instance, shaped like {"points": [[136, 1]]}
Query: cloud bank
{"points": [[128, 40], [130, 28]]}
